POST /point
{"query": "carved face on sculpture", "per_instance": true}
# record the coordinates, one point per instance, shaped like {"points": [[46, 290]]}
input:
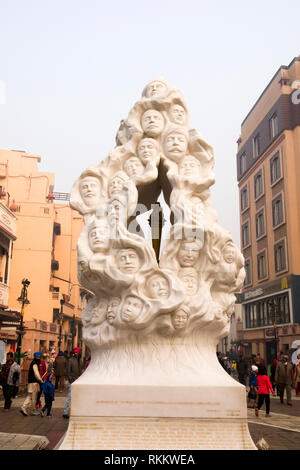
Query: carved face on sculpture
{"points": [[116, 211], [117, 183], [189, 166], [175, 144], [99, 236], [83, 264], [153, 123], [156, 89], [128, 261], [188, 253], [112, 309], [148, 150], [189, 277], [131, 309], [158, 286], [89, 188], [179, 318], [229, 252], [133, 167], [177, 114], [98, 313]]}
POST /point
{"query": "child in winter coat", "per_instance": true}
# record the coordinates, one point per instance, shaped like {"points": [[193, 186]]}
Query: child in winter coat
{"points": [[48, 390], [252, 395], [264, 385]]}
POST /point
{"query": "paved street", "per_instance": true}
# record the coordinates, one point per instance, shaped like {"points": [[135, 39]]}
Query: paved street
{"points": [[281, 430]]}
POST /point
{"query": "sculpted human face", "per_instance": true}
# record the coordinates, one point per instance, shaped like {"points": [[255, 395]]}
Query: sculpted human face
{"points": [[147, 151], [153, 123], [128, 261], [116, 211], [188, 254], [189, 278], [116, 185], [158, 286], [229, 253], [133, 167], [177, 114], [156, 89], [89, 188], [131, 309], [189, 166], [99, 312], [175, 145], [99, 237], [112, 309], [179, 319]]}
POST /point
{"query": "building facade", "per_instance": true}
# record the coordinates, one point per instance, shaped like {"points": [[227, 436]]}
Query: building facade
{"points": [[9, 319], [44, 253], [268, 173]]}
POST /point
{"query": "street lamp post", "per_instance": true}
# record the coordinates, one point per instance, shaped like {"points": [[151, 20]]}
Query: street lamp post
{"points": [[274, 306], [24, 301], [61, 314]]}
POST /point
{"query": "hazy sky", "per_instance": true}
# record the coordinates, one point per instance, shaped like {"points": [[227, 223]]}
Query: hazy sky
{"points": [[73, 69]]}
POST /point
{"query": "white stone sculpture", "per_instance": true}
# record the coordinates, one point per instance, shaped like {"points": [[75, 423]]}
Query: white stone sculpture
{"points": [[152, 327]]}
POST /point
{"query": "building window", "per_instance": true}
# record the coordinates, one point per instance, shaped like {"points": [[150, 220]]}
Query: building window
{"points": [[280, 256], [273, 123], [258, 185], [243, 163], [244, 199], [245, 235], [260, 224], [261, 265], [256, 146], [275, 168], [277, 211], [248, 272], [265, 312]]}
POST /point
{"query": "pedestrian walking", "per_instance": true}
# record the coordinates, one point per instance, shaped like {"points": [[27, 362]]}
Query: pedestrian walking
{"points": [[60, 371], [48, 391], [9, 379], [297, 376], [284, 377], [34, 381], [264, 386], [252, 394], [43, 367], [242, 370], [73, 372]]}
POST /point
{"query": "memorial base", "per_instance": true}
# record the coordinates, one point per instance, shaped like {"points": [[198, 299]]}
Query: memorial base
{"points": [[158, 417], [103, 433]]}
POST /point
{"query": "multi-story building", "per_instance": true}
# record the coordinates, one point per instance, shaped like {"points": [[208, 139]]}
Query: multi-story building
{"points": [[44, 253], [9, 320], [268, 173]]}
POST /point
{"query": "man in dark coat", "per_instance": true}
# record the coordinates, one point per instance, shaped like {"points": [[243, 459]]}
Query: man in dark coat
{"points": [[60, 370], [242, 370], [284, 377], [73, 372]]}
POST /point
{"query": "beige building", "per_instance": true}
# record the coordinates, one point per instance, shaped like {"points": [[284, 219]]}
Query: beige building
{"points": [[44, 253], [268, 171], [9, 319]]}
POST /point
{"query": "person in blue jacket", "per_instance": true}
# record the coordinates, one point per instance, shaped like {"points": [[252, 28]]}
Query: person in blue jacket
{"points": [[48, 391], [252, 395]]}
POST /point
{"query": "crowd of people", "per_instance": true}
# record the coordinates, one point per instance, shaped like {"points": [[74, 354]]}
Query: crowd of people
{"points": [[283, 377], [46, 374]]}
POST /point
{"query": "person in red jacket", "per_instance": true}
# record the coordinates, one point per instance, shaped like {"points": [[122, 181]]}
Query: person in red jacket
{"points": [[264, 386]]}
